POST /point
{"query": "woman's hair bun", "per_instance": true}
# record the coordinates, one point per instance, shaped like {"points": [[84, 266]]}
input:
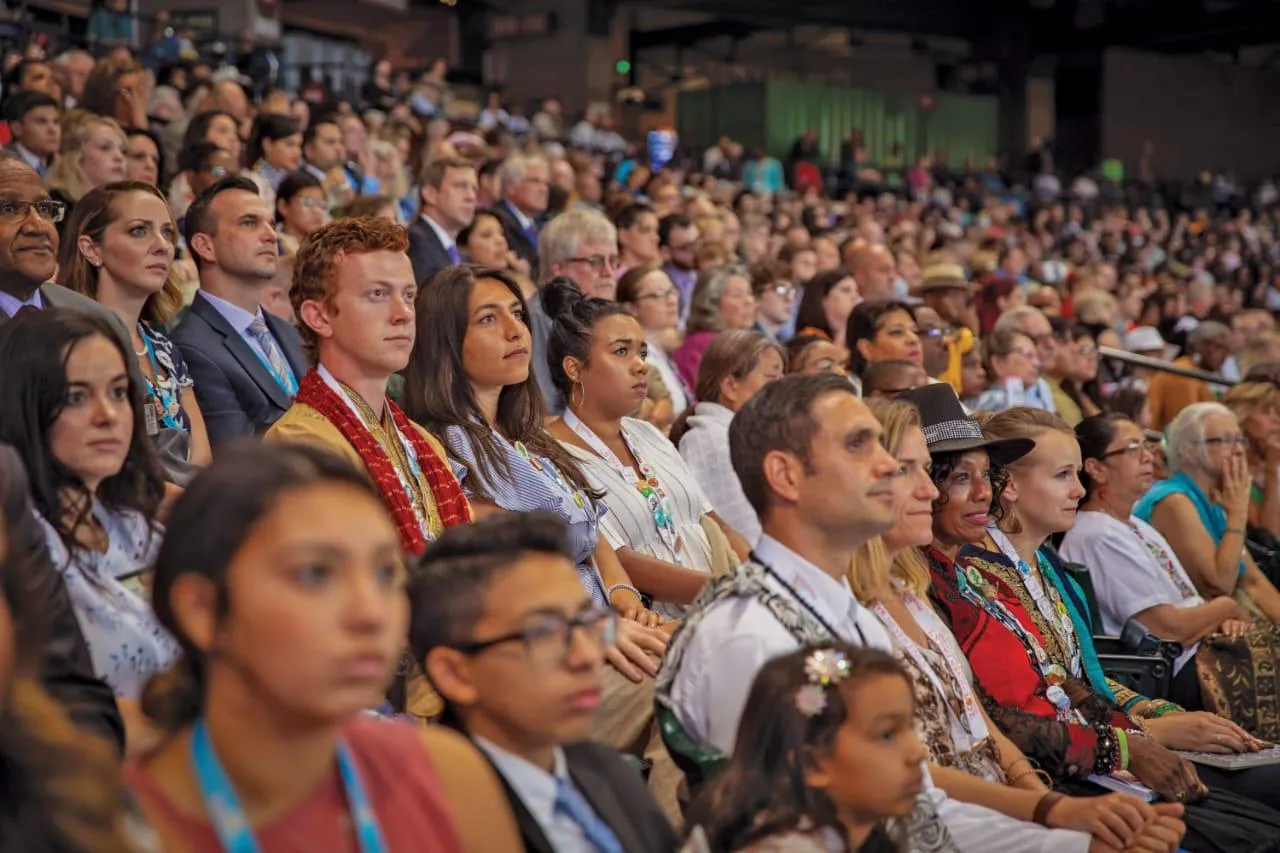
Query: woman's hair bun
{"points": [[560, 296]]}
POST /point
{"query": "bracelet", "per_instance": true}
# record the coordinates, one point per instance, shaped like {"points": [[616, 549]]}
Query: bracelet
{"points": [[1046, 804], [1015, 762], [608, 593], [1159, 709], [1122, 738], [1139, 726], [1239, 530], [1013, 778], [1106, 752]]}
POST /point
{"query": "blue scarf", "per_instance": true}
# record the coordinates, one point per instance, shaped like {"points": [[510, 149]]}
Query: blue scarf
{"points": [[1212, 516], [1077, 608]]}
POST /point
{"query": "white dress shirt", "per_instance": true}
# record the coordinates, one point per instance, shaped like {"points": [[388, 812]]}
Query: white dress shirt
{"points": [[240, 320], [737, 636], [536, 789]]}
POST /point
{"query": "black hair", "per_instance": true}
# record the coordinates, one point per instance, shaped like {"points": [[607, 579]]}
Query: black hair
{"points": [[132, 132], [669, 223], [17, 107], [294, 183], [944, 464], [864, 323], [34, 348], [209, 524], [309, 135], [763, 791], [195, 156], [1093, 434], [630, 215], [464, 236], [809, 313], [574, 316], [200, 219], [778, 417], [269, 127], [878, 376], [198, 129]]}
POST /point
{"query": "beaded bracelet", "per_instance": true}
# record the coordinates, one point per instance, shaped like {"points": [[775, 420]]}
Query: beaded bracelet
{"points": [[1106, 753], [608, 593], [1159, 709]]}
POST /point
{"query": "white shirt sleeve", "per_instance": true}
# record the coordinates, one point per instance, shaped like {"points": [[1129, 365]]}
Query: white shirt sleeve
{"points": [[1125, 579]]}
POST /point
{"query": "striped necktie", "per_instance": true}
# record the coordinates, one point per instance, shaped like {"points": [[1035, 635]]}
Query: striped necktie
{"points": [[276, 361]]}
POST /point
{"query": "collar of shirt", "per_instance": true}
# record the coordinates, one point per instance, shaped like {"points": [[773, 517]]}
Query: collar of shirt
{"points": [[535, 787], [829, 597], [717, 412], [11, 305], [525, 222], [233, 314], [445, 240], [34, 161], [314, 170]]}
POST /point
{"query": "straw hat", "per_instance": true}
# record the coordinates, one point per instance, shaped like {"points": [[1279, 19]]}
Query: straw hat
{"points": [[945, 276]]}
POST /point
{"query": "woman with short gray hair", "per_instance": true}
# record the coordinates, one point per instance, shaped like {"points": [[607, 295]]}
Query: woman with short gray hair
{"points": [[722, 300], [1203, 508]]}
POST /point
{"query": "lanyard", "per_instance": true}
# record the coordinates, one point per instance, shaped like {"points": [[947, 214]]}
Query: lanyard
{"points": [[167, 405], [973, 725], [773, 573], [1049, 603], [646, 482], [227, 815]]}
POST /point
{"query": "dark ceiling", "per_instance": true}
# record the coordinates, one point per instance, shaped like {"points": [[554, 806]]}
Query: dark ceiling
{"points": [[1040, 26]]}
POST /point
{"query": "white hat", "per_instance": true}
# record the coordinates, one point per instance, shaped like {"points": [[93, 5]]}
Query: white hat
{"points": [[1146, 340]]}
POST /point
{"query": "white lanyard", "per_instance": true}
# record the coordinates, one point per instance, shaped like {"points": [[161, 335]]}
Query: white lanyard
{"points": [[973, 727], [1049, 604]]}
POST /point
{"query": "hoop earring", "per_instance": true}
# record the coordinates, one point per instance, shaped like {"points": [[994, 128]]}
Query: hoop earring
{"points": [[582, 402]]}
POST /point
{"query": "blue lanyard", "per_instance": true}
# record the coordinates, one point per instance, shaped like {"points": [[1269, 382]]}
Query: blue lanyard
{"points": [[227, 816]]}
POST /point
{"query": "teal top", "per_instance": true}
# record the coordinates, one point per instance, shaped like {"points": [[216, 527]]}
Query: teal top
{"points": [[1212, 515]]}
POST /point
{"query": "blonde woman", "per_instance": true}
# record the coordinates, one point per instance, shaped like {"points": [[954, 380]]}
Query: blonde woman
{"points": [[1257, 406], [94, 152], [388, 168]]}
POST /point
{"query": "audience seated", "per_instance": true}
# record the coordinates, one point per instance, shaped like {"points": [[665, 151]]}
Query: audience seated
{"points": [[283, 582], [92, 153], [721, 301], [880, 330], [525, 183], [245, 363], [512, 641], [354, 293], [829, 300], [736, 366], [300, 209], [448, 195], [119, 250], [1256, 406], [648, 293], [891, 377], [72, 410], [658, 517], [812, 353]]}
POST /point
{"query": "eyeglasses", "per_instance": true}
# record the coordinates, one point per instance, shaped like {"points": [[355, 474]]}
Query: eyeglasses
{"points": [[1088, 351], [659, 295], [599, 263], [1026, 353], [931, 332], [46, 208], [1133, 448], [313, 203], [217, 171], [783, 290], [1225, 440], [546, 642]]}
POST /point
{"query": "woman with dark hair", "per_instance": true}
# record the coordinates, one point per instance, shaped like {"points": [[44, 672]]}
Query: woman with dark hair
{"points": [[200, 165], [217, 127], [882, 329], [826, 759], [1042, 698], [736, 365], [828, 301], [484, 243], [813, 353], [649, 294], [1137, 575], [301, 207], [144, 161], [1073, 372], [62, 793], [275, 150], [71, 408], [657, 512], [119, 250], [283, 582]]}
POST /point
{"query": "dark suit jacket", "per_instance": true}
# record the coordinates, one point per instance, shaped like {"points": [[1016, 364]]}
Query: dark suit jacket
{"points": [[238, 396], [617, 794], [66, 669], [57, 296], [426, 252], [516, 238]]}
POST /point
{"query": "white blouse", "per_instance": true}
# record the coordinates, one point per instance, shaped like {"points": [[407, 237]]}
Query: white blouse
{"points": [[661, 363], [629, 522], [705, 449]]}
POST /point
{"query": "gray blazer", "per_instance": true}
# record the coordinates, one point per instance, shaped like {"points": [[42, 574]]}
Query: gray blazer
{"points": [[57, 296]]}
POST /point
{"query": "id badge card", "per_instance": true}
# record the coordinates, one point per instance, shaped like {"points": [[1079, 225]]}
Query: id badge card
{"points": [[149, 413]]}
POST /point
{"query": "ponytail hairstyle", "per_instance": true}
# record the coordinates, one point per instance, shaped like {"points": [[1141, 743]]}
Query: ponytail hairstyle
{"points": [[730, 355], [1093, 434], [574, 317], [1018, 422], [208, 526]]}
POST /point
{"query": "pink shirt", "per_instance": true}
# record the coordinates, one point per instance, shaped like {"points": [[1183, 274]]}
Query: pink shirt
{"points": [[398, 776]]}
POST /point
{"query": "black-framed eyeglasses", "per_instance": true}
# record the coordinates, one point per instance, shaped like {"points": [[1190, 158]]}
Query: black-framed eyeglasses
{"points": [[1133, 448], [547, 640], [47, 208]]}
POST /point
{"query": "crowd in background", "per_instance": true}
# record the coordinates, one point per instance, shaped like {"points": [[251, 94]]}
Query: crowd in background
{"points": [[395, 468]]}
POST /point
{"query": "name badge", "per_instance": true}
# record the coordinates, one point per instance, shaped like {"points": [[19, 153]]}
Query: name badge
{"points": [[149, 413]]}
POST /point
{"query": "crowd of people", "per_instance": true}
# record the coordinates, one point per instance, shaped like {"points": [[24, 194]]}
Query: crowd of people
{"points": [[376, 479]]}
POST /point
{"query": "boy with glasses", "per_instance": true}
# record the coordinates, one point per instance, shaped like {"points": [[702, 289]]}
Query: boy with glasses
{"points": [[513, 644]]}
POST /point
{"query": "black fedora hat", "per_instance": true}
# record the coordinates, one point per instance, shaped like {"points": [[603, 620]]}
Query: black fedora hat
{"points": [[947, 429]]}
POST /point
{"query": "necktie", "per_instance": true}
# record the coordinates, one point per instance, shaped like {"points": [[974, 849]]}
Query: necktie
{"points": [[571, 804], [532, 233], [279, 366], [27, 309], [454, 257]]}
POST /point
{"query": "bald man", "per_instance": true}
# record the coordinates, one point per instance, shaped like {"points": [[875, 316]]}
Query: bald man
{"points": [[874, 268]]}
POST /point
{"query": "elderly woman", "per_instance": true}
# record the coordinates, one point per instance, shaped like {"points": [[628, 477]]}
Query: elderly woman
{"points": [[721, 301], [1202, 509], [1257, 406]]}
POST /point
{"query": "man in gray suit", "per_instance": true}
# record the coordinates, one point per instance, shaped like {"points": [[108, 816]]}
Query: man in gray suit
{"points": [[29, 247]]}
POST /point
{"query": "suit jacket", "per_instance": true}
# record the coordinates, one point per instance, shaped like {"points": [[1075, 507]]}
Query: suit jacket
{"points": [[617, 794], [517, 240], [238, 396], [66, 669], [427, 254], [57, 296]]}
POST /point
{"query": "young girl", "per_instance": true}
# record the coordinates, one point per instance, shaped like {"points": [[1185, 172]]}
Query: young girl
{"points": [[826, 756], [283, 582]]}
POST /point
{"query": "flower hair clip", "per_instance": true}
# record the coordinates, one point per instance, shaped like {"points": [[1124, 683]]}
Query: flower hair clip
{"points": [[823, 668]]}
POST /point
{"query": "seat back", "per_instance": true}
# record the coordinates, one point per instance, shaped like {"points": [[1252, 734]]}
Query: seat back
{"points": [[700, 762], [1080, 574]]}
